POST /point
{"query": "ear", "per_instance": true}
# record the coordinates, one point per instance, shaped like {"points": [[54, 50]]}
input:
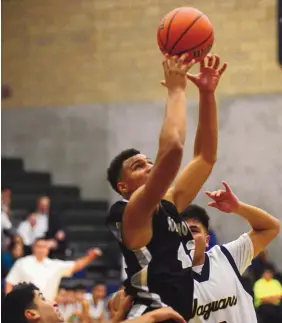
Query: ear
{"points": [[207, 241], [31, 315], [122, 187]]}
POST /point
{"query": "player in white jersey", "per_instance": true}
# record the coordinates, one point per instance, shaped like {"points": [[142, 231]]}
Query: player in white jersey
{"points": [[219, 294]]}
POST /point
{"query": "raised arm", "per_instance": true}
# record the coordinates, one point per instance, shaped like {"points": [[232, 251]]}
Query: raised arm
{"points": [[265, 227], [196, 172], [137, 219]]}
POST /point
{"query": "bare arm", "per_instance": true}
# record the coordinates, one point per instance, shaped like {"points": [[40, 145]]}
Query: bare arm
{"points": [[195, 174], [137, 219], [265, 227], [8, 287], [83, 262]]}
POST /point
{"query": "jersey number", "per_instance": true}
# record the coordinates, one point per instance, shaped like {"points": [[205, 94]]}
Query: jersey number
{"points": [[185, 254]]}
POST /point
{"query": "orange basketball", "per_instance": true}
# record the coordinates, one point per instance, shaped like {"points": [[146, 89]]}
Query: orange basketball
{"points": [[186, 30]]}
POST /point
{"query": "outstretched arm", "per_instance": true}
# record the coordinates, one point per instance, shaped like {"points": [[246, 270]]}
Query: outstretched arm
{"points": [[265, 227], [137, 219], [195, 174], [83, 262]]}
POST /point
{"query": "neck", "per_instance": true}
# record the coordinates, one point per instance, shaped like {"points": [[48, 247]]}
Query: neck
{"points": [[95, 300], [39, 259]]}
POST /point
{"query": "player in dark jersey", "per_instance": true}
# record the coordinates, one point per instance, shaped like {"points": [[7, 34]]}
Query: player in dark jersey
{"points": [[153, 238]]}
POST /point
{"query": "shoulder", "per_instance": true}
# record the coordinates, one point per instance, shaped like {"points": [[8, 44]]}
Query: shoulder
{"points": [[22, 261], [116, 211], [169, 207]]}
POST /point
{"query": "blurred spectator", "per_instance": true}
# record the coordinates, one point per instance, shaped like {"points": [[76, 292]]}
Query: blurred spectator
{"points": [[52, 226], [268, 295], [7, 229], [259, 264], [97, 302], [73, 305], [8, 258], [6, 197], [45, 272], [29, 230]]}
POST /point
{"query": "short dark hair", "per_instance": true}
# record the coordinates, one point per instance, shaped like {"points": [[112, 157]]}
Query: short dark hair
{"points": [[17, 301], [115, 168], [198, 213], [38, 239]]}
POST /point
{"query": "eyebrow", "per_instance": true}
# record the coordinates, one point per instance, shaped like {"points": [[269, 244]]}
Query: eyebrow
{"points": [[139, 160]]}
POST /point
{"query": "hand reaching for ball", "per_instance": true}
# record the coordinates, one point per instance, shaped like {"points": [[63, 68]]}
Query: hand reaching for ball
{"points": [[175, 72], [210, 73]]}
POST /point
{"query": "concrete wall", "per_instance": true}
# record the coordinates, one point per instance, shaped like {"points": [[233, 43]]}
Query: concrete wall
{"points": [[72, 52], [77, 143]]}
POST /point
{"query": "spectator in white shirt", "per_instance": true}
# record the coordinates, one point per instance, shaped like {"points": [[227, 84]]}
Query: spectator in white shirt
{"points": [[42, 211], [44, 272], [97, 302], [29, 230], [7, 229], [51, 225]]}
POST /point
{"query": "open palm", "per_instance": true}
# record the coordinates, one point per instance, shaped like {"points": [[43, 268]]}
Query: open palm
{"points": [[208, 77]]}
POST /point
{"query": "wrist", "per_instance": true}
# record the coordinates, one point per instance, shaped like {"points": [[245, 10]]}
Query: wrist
{"points": [[207, 92], [239, 208], [175, 91]]}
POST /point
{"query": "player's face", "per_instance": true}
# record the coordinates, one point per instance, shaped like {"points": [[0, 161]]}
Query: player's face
{"points": [[200, 236], [45, 311], [135, 173]]}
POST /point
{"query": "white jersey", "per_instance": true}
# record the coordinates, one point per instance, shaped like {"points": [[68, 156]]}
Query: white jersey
{"points": [[219, 295]]}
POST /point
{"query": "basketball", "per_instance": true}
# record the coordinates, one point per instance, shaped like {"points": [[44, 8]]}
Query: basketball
{"points": [[185, 30]]}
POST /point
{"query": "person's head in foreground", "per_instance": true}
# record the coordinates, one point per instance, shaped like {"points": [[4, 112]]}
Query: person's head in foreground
{"points": [[128, 171], [25, 304], [198, 221]]}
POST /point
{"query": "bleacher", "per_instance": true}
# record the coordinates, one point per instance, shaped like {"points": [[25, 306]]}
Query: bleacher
{"points": [[84, 219]]}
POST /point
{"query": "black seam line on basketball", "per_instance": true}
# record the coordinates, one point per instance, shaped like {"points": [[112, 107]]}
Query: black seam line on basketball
{"points": [[185, 31], [159, 39], [168, 28], [188, 50]]}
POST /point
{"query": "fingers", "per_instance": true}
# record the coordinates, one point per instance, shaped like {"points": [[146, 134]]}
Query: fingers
{"points": [[215, 195], [189, 65], [216, 62], [181, 60], [208, 193], [212, 204], [165, 64], [177, 317], [202, 63], [227, 187], [191, 77], [223, 69], [210, 59]]}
